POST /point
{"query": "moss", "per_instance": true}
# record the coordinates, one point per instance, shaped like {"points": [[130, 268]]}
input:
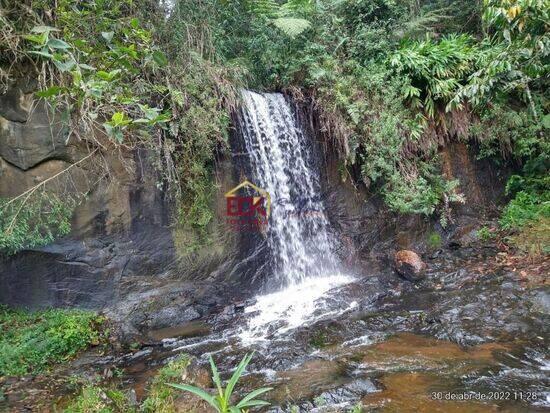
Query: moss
{"points": [[434, 240]]}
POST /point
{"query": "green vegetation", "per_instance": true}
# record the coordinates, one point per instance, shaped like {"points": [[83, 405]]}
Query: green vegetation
{"points": [[33, 221], [484, 234], [434, 240], [31, 341], [391, 82], [103, 69], [525, 208], [160, 396], [93, 399], [222, 401]]}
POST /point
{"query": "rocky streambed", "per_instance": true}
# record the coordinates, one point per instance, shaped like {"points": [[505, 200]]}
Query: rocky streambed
{"points": [[472, 335]]}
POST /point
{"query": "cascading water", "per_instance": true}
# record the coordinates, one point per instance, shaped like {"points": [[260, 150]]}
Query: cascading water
{"points": [[298, 231], [298, 234]]}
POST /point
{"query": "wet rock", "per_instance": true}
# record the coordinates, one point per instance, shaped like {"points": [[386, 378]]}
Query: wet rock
{"points": [[239, 307], [349, 393], [198, 375], [141, 353], [172, 316], [541, 302], [409, 265]]}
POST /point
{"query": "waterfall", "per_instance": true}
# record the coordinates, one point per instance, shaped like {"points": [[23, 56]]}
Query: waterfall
{"points": [[283, 165], [298, 232]]}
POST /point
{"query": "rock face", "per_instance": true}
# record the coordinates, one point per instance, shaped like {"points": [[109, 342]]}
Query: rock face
{"points": [[122, 234], [409, 265], [30, 133]]}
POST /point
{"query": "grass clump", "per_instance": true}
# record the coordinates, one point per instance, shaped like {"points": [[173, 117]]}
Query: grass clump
{"points": [[32, 341], [161, 397], [94, 399], [484, 234]]}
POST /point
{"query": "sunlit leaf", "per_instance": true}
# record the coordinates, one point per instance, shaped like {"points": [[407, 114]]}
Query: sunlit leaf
{"points": [[36, 38], [108, 36], [291, 26], [51, 91], [41, 53], [160, 58], [58, 44], [43, 29]]}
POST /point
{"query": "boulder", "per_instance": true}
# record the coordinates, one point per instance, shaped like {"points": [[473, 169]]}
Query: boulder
{"points": [[409, 265]]}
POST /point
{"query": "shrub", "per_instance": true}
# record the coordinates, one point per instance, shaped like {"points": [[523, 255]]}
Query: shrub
{"points": [[31, 341], [526, 207]]}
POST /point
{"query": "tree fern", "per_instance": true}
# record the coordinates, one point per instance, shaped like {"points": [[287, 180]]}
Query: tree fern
{"points": [[284, 16], [291, 26]]}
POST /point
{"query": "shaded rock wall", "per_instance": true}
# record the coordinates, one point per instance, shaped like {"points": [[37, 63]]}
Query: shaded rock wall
{"points": [[122, 228]]}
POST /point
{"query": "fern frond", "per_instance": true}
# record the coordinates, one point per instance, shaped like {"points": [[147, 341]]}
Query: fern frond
{"points": [[296, 8], [291, 26], [267, 8]]}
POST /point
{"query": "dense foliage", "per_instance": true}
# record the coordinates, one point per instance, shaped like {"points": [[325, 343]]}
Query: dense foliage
{"points": [[29, 342], [392, 82], [100, 64]]}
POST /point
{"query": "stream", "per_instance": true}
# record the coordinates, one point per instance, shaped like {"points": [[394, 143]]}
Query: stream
{"points": [[467, 330]]}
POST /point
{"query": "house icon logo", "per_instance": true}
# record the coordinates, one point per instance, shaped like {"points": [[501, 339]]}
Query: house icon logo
{"points": [[248, 211]]}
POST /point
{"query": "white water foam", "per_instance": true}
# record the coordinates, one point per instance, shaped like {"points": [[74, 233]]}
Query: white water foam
{"points": [[276, 313]]}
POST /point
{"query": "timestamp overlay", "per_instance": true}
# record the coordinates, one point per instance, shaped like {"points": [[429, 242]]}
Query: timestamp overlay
{"points": [[496, 396]]}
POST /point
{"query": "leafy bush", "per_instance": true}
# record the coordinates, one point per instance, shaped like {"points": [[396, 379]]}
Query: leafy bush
{"points": [[34, 221], [435, 70], [31, 341], [525, 208]]}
